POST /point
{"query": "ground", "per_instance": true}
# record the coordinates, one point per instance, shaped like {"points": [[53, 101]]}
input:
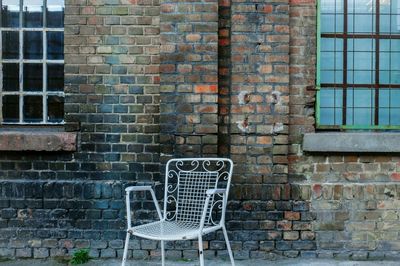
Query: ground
{"points": [[282, 262]]}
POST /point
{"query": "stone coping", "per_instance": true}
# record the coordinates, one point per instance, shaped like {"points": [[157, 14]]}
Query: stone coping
{"points": [[37, 141], [356, 142]]}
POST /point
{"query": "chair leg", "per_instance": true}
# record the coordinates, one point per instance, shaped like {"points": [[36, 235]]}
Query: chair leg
{"points": [[162, 253], [228, 246], [201, 255], [128, 235]]}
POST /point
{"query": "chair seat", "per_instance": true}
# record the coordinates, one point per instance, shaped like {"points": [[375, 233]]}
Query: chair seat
{"points": [[169, 230]]}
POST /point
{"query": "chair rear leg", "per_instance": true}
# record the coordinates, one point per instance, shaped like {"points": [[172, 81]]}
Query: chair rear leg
{"points": [[201, 255], [228, 246], [162, 253], [126, 248]]}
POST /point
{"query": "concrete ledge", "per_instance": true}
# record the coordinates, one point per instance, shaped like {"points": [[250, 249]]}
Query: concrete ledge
{"points": [[37, 141], [352, 142]]}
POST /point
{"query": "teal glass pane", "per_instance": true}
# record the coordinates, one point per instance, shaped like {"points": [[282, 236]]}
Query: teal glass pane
{"points": [[384, 45], [395, 61], [361, 98], [361, 23], [361, 6], [384, 98], [384, 77], [362, 45], [395, 116], [329, 76], [327, 116], [389, 7], [395, 77], [360, 60], [360, 77], [331, 60], [363, 116], [331, 23], [384, 115], [330, 97], [389, 24], [384, 61], [332, 6], [395, 45], [394, 98]]}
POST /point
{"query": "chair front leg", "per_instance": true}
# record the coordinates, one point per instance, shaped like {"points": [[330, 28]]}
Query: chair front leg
{"points": [[162, 253], [228, 246], [201, 252], [128, 235]]}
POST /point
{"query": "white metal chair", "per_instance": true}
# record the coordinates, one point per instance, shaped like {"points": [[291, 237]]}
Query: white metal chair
{"points": [[195, 199]]}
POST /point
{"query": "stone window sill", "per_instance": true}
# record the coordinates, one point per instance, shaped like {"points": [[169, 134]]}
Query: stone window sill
{"points": [[37, 141], [385, 142]]}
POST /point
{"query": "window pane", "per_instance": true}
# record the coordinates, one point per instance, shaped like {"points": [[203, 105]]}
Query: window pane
{"points": [[10, 44], [395, 116], [332, 6], [395, 77], [361, 23], [10, 13], [360, 61], [361, 6], [10, 108], [384, 116], [394, 98], [361, 77], [32, 13], [33, 109], [55, 77], [331, 60], [55, 45], [384, 97], [357, 98], [331, 97], [33, 77], [363, 116], [10, 77], [55, 14], [33, 45], [55, 108], [327, 116]]}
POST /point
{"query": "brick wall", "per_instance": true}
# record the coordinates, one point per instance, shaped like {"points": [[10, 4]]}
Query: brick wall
{"points": [[53, 203], [145, 82], [354, 197]]}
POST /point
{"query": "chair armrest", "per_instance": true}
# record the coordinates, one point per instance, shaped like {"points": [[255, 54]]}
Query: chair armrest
{"points": [[215, 191], [137, 188]]}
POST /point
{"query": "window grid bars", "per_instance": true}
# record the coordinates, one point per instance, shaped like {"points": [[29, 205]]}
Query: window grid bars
{"points": [[345, 85], [44, 93]]}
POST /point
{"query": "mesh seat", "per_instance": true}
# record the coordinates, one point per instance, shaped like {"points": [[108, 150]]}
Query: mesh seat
{"points": [[168, 230], [195, 199]]}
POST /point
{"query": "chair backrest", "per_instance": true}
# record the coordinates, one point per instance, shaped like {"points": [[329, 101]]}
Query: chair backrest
{"points": [[186, 183]]}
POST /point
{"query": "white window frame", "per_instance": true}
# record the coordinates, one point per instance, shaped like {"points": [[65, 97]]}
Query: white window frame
{"points": [[44, 61]]}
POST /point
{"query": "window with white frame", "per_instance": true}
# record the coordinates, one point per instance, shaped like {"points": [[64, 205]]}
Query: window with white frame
{"points": [[32, 62]]}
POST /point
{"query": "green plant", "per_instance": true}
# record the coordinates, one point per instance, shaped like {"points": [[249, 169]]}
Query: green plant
{"points": [[80, 257]]}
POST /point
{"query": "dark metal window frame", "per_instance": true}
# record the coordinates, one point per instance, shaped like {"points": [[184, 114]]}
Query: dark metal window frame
{"points": [[44, 61], [344, 85]]}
